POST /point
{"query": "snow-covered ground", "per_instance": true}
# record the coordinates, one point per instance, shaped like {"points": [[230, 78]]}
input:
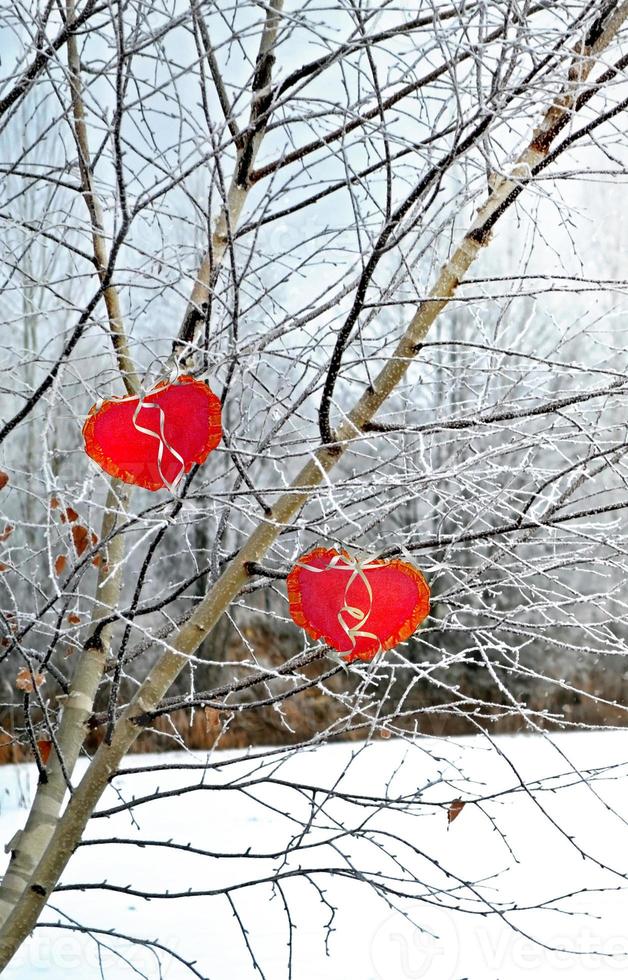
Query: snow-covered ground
{"points": [[532, 839]]}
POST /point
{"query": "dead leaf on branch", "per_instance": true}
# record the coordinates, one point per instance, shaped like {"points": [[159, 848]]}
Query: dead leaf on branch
{"points": [[44, 745], [212, 720], [60, 564], [455, 809], [80, 537], [26, 681]]}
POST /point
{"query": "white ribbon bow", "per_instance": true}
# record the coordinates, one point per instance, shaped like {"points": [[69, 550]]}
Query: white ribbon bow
{"points": [[163, 443], [358, 568]]}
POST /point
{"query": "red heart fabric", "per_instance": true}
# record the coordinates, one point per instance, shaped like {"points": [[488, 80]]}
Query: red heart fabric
{"points": [[181, 423], [358, 608]]}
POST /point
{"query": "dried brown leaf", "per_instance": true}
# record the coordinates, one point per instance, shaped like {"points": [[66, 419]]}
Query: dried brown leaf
{"points": [[44, 745], [60, 564], [80, 536], [212, 719], [24, 680], [455, 809]]}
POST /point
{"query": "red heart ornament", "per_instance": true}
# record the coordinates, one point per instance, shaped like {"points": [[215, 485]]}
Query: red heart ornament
{"points": [[154, 440], [360, 608]]}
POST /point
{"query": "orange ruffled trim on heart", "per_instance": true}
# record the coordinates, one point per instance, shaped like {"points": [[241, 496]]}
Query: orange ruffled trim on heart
{"points": [[407, 628], [109, 465]]}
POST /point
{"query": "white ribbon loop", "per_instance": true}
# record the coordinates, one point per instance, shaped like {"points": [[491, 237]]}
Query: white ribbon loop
{"points": [[358, 566], [163, 444]]}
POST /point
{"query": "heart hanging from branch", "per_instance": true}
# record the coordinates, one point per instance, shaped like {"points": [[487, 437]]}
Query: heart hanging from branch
{"points": [[152, 441], [360, 607]]}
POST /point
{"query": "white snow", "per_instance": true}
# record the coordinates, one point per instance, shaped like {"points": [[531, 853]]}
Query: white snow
{"points": [[369, 941]]}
